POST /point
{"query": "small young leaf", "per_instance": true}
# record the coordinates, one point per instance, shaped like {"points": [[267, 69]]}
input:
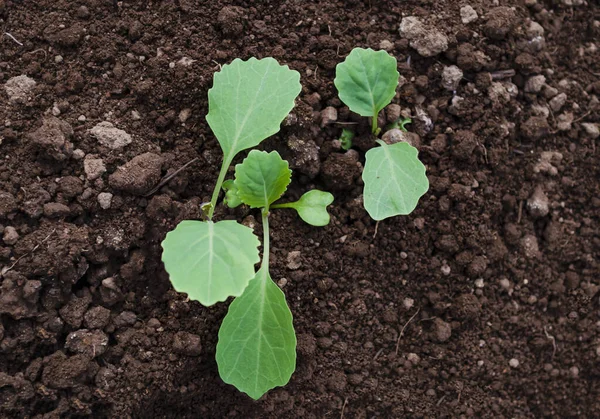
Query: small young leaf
{"points": [[346, 139], [367, 81], [210, 261], [232, 200], [262, 178], [311, 207], [256, 350], [394, 180], [248, 101]]}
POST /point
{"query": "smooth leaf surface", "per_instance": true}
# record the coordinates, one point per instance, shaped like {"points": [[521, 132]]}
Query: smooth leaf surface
{"points": [[394, 180], [248, 101], [367, 80], [311, 207], [256, 350], [262, 178], [232, 200], [210, 261]]}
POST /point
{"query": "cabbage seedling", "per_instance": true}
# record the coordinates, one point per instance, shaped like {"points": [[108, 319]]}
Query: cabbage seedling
{"points": [[393, 175], [211, 261], [256, 350]]}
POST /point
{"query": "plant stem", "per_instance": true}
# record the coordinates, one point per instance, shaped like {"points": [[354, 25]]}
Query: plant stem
{"points": [[265, 222], [286, 205], [217, 190], [374, 124]]}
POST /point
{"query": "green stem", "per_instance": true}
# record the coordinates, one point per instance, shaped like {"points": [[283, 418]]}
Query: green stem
{"points": [[286, 205], [265, 222], [374, 124], [217, 190]]}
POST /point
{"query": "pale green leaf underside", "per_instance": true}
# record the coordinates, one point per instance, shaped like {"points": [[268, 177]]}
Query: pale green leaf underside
{"points": [[312, 207], [262, 178], [394, 180], [210, 261], [257, 343], [367, 80], [248, 101]]}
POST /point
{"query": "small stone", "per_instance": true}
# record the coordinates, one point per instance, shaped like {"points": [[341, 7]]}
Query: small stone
{"points": [[293, 260], [479, 283], [10, 236], [535, 128], [105, 200], [135, 115], [396, 135], [58, 59], [81, 118], [427, 41], [549, 92], [468, 14], [534, 84], [109, 136], [386, 45], [93, 168], [413, 358], [110, 293], [52, 139], [505, 283], [393, 112], [529, 246], [78, 154], [125, 319], [445, 270], [591, 130], [500, 21], [187, 344], [92, 343], [451, 77], [558, 101], [328, 116], [19, 88], [184, 115], [514, 363], [408, 303], [538, 203], [442, 330], [564, 121], [574, 371]]}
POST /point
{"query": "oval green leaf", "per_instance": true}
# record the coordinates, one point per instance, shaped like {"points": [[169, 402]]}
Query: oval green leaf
{"points": [[311, 207], [394, 180], [248, 101], [367, 81], [262, 178], [210, 261], [256, 350]]}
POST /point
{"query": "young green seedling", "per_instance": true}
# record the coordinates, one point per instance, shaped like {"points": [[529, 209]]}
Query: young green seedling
{"points": [[256, 350], [346, 139], [393, 175], [211, 261]]}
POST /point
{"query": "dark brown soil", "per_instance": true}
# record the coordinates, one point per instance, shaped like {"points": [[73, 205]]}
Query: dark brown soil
{"points": [[484, 302]]}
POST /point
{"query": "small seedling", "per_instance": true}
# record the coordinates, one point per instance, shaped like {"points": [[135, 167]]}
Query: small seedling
{"points": [[346, 139], [393, 175], [212, 261]]}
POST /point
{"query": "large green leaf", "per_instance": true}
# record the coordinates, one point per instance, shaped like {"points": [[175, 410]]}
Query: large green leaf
{"points": [[257, 343], [210, 261], [311, 207], [262, 178], [394, 180], [248, 101], [367, 81]]}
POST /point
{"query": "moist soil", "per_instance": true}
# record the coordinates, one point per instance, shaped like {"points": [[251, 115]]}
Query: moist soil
{"points": [[484, 302]]}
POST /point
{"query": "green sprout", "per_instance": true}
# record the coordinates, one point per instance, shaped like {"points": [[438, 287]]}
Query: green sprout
{"points": [[400, 124], [393, 175], [346, 139], [212, 261]]}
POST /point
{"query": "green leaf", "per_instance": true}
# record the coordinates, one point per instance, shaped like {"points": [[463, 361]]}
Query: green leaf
{"points": [[367, 81], [256, 350], [346, 139], [248, 101], [311, 207], [210, 261], [232, 200], [262, 178], [394, 180]]}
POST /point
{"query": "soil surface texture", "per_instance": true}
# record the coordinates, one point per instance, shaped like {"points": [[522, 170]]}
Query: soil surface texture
{"points": [[484, 302]]}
